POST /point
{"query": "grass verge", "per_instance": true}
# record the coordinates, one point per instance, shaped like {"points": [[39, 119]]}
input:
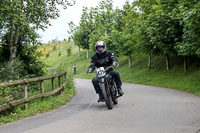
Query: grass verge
{"points": [[38, 106], [52, 102]]}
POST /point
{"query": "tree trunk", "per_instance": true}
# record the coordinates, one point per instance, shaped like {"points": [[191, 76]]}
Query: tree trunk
{"points": [[167, 61], [79, 51], [130, 61], [87, 53], [149, 62], [185, 63], [11, 41], [16, 38], [13, 46]]}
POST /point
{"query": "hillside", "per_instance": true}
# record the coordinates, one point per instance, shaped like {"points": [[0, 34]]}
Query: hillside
{"points": [[175, 78]]}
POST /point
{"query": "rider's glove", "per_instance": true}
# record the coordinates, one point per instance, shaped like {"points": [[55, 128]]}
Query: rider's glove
{"points": [[89, 70], [115, 64]]}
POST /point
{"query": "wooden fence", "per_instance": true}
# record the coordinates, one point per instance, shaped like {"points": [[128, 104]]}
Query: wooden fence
{"points": [[25, 82]]}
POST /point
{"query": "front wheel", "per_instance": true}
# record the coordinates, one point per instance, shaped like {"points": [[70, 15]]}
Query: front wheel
{"points": [[114, 93], [107, 96]]}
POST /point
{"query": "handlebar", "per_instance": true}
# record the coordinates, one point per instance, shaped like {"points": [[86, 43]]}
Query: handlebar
{"points": [[109, 67], [106, 68]]}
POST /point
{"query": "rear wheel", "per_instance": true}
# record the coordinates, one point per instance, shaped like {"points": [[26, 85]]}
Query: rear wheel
{"points": [[107, 96]]}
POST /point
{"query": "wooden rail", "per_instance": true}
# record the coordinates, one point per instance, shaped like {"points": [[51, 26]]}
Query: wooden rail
{"points": [[25, 82]]}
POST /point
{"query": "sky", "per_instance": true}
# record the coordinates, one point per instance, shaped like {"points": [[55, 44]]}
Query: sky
{"points": [[59, 26]]}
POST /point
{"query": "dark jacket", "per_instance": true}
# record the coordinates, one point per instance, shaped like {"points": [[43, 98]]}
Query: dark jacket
{"points": [[104, 60]]}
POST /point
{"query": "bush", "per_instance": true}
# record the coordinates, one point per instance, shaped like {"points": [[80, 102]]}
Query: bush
{"points": [[9, 71], [54, 47], [69, 51], [29, 59], [47, 55], [59, 54]]}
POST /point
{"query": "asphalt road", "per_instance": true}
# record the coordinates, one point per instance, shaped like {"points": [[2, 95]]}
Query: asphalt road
{"points": [[143, 109]]}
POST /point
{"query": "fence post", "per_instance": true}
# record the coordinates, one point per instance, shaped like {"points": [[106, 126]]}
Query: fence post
{"points": [[42, 87], [65, 78], [25, 95], [65, 75], [59, 82], [52, 83]]}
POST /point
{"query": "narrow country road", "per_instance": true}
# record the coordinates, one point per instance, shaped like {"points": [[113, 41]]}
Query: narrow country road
{"points": [[143, 109]]}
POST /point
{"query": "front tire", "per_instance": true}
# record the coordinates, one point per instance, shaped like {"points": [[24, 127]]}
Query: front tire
{"points": [[107, 96]]}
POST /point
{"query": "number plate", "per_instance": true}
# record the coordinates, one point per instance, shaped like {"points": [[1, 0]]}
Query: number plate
{"points": [[101, 72]]}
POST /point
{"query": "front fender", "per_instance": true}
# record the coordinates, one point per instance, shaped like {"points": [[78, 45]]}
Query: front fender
{"points": [[102, 80]]}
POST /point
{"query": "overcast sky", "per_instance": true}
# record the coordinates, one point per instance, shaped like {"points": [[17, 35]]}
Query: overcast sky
{"points": [[60, 25]]}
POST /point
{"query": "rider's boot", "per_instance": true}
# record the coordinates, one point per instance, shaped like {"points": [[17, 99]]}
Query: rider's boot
{"points": [[120, 92], [100, 98]]}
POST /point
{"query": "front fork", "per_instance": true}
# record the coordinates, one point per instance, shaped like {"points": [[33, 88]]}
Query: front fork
{"points": [[104, 84]]}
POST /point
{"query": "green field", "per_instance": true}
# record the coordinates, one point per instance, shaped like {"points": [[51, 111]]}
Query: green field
{"points": [[175, 78]]}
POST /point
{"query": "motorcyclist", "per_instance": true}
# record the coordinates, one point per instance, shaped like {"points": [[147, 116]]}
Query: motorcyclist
{"points": [[104, 58]]}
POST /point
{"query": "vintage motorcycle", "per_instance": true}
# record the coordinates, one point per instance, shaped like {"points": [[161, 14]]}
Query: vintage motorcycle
{"points": [[108, 86]]}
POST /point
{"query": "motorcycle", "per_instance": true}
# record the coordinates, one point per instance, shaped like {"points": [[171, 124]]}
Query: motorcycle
{"points": [[108, 86]]}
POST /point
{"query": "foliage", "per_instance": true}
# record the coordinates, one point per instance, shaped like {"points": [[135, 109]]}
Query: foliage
{"points": [[23, 18], [103, 20], [154, 27], [69, 51], [127, 39], [11, 72], [59, 54], [189, 19], [94, 25], [29, 59], [36, 106], [19, 22], [157, 76]]}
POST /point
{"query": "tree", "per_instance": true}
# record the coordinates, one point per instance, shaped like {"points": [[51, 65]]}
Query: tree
{"points": [[162, 25], [81, 33], [28, 15], [103, 21], [86, 26], [188, 16], [128, 36], [74, 33]]}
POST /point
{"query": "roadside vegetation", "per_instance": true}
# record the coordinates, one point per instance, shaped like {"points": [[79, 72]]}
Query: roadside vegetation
{"points": [[156, 42], [38, 106], [59, 59], [55, 53], [19, 58], [175, 78]]}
